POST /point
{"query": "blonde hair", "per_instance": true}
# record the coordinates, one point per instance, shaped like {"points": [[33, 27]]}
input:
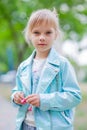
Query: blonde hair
{"points": [[43, 16]]}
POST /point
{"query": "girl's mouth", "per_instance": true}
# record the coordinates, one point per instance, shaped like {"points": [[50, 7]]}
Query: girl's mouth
{"points": [[41, 44]]}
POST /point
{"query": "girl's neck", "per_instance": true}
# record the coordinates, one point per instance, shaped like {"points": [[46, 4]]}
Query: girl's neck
{"points": [[41, 55]]}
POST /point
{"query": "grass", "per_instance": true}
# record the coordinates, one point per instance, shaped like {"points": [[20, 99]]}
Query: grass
{"points": [[81, 111], [80, 122]]}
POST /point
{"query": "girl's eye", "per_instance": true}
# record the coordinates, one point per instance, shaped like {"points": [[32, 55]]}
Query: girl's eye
{"points": [[49, 32], [36, 32]]}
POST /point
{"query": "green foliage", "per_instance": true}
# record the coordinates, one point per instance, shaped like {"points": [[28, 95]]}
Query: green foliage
{"points": [[15, 13], [3, 68]]}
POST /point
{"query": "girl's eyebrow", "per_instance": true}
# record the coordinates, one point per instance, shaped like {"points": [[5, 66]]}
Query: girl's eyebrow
{"points": [[38, 30], [49, 30], [35, 31]]}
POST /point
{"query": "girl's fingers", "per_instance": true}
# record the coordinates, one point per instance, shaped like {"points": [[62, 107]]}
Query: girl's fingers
{"points": [[33, 99], [18, 97], [21, 95]]}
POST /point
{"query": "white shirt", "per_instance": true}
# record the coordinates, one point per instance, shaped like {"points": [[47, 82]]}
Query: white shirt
{"points": [[37, 67]]}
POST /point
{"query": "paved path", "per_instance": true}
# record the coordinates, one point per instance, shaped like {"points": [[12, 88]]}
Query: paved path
{"points": [[7, 115]]}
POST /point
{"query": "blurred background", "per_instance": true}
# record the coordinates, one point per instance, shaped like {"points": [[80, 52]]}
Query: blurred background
{"points": [[14, 15]]}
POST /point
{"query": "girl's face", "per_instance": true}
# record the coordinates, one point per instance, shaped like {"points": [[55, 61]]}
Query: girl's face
{"points": [[42, 38]]}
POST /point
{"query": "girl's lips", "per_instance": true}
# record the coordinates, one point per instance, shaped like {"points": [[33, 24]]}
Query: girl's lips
{"points": [[42, 44]]}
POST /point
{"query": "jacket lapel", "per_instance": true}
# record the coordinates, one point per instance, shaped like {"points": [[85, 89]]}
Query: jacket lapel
{"points": [[49, 72], [27, 73], [26, 79]]}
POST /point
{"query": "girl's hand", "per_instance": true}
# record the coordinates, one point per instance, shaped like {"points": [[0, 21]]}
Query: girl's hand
{"points": [[33, 99], [18, 97]]}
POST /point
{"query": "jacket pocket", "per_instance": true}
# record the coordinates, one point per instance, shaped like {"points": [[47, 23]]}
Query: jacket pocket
{"points": [[67, 117]]}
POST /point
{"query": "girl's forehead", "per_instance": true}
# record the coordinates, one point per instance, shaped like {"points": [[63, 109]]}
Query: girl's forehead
{"points": [[43, 28], [43, 25]]}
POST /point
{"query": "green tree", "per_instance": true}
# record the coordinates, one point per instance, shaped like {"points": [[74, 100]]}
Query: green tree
{"points": [[14, 15]]}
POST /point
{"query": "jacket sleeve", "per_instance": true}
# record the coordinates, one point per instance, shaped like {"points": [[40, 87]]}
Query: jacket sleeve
{"points": [[69, 97], [17, 88]]}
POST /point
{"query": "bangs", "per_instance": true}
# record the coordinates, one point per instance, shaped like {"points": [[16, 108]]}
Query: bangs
{"points": [[40, 18]]}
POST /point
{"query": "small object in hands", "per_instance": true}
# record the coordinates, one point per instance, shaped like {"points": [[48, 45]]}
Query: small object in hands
{"points": [[30, 108], [23, 101]]}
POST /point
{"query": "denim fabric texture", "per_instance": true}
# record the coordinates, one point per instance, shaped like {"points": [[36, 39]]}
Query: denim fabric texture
{"points": [[27, 127]]}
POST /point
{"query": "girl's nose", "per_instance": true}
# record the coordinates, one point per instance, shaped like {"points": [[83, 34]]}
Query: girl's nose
{"points": [[42, 37]]}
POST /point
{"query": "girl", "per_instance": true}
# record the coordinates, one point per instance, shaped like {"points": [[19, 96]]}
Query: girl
{"points": [[46, 87]]}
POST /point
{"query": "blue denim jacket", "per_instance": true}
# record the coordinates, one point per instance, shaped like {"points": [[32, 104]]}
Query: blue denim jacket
{"points": [[58, 89]]}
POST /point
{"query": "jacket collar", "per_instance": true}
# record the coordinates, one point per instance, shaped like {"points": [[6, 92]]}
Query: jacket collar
{"points": [[49, 71], [53, 57]]}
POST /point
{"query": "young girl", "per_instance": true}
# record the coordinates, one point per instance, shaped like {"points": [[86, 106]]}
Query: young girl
{"points": [[46, 87]]}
